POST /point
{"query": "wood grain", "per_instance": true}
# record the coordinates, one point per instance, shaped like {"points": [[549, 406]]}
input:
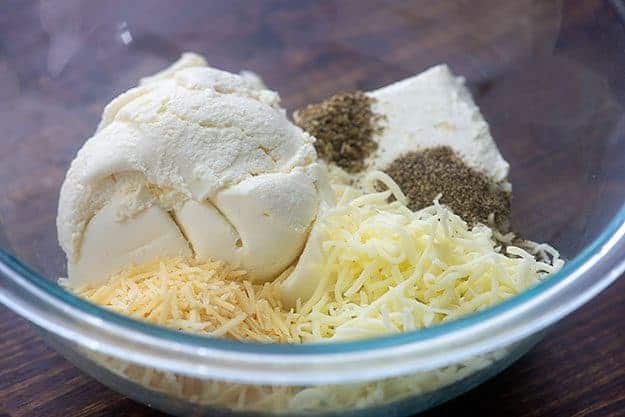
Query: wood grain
{"points": [[546, 74]]}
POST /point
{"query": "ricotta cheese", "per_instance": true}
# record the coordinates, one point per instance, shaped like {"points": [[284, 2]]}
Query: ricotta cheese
{"points": [[190, 140]]}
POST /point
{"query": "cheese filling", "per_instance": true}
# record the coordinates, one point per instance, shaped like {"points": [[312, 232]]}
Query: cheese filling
{"points": [[378, 267]]}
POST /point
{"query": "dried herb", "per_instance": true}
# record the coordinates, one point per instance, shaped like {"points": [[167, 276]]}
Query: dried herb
{"points": [[344, 126], [424, 174]]}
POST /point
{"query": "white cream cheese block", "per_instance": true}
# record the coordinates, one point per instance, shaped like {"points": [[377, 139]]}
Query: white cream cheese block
{"points": [[434, 108]]}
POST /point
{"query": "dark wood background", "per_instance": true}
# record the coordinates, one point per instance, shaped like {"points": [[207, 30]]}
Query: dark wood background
{"points": [[548, 75]]}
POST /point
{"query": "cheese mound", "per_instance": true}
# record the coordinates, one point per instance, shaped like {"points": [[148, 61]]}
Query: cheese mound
{"points": [[380, 269], [194, 161]]}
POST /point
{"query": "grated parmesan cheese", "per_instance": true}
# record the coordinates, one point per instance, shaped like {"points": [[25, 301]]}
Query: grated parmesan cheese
{"points": [[198, 297]]}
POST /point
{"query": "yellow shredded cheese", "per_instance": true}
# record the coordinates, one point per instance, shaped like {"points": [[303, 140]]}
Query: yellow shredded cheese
{"points": [[198, 297]]}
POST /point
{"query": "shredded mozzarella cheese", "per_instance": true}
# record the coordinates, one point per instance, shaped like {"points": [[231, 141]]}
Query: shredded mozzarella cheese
{"points": [[387, 269]]}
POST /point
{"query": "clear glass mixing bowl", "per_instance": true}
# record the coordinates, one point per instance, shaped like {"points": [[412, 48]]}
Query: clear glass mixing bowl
{"points": [[548, 78]]}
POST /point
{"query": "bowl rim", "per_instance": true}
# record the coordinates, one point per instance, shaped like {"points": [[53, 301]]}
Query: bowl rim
{"points": [[89, 326]]}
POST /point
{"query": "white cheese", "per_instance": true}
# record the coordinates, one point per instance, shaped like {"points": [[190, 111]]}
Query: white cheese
{"points": [[259, 225], [111, 243], [435, 108]]}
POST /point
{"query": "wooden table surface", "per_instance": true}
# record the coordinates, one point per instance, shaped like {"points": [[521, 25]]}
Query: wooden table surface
{"points": [[563, 63]]}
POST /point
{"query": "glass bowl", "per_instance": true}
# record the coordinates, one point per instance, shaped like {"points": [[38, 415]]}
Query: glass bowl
{"points": [[547, 76]]}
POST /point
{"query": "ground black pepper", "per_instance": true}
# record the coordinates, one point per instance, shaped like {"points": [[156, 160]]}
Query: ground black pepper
{"points": [[344, 126], [423, 174]]}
